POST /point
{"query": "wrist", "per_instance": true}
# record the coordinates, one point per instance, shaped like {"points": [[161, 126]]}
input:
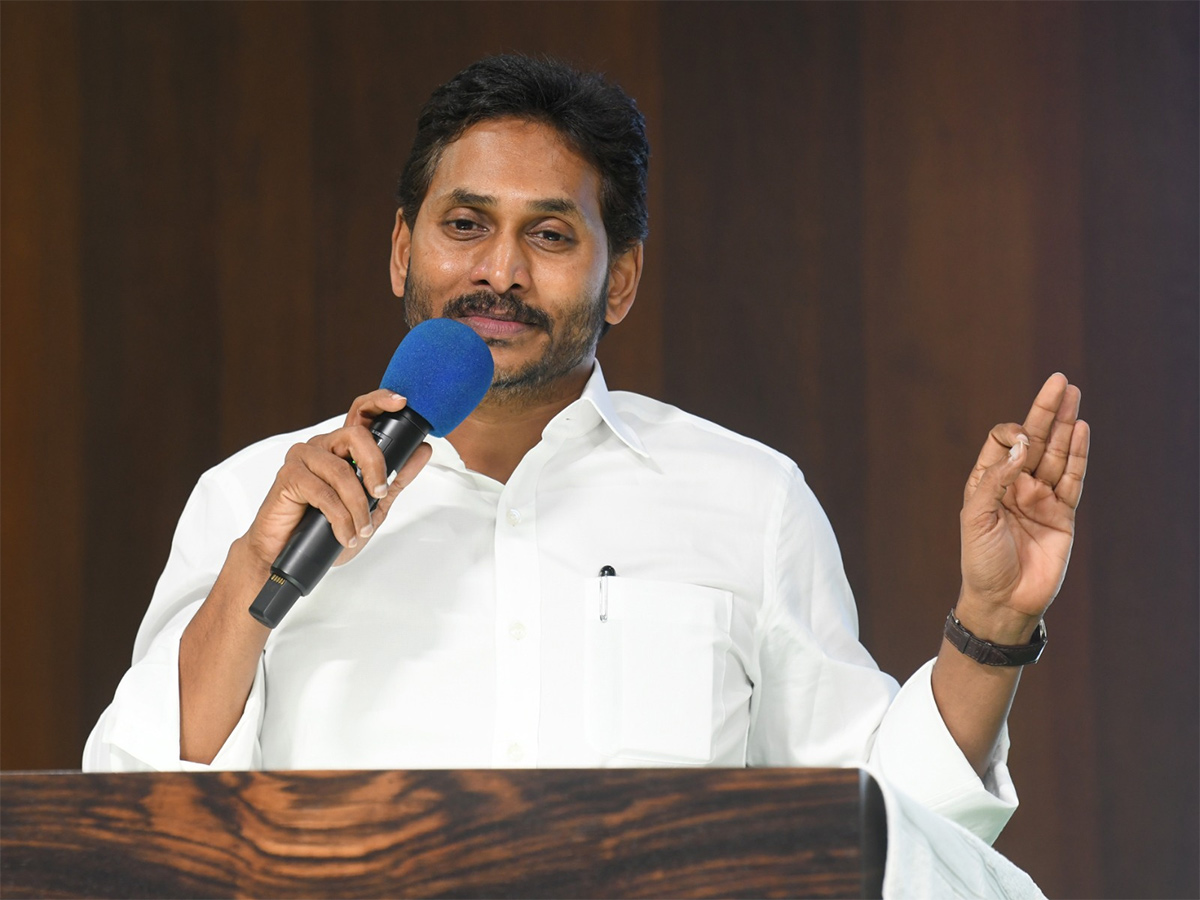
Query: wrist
{"points": [[247, 558], [990, 653], [993, 623], [243, 574]]}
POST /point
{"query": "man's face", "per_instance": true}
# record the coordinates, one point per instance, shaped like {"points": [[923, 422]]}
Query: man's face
{"points": [[510, 241]]}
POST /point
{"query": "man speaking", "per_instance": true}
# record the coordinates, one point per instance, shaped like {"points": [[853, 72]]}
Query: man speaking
{"points": [[573, 577]]}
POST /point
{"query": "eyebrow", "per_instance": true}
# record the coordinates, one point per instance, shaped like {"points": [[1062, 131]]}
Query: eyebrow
{"points": [[550, 205]]}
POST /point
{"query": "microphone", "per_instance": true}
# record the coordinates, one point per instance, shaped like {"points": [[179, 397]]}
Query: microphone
{"points": [[443, 369]]}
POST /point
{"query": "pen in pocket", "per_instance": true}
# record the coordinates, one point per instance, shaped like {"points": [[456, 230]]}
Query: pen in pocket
{"points": [[606, 572]]}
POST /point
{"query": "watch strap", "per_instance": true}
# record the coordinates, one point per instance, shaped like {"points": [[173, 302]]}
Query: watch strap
{"points": [[995, 654]]}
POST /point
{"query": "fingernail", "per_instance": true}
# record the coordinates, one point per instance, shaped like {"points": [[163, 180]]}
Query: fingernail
{"points": [[380, 490], [352, 543], [1015, 450], [366, 530], [396, 398]]}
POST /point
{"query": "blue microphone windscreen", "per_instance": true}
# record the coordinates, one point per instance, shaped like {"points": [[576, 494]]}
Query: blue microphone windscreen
{"points": [[444, 369]]}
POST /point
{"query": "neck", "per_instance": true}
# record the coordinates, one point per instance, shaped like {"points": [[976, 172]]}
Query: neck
{"points": [[503, 428]]}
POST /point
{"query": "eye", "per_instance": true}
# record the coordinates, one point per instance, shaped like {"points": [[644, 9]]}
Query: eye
{"points": [[460, 228], [552, 236]]}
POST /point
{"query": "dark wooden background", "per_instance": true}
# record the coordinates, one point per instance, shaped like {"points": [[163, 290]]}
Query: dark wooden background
{"points": [[875, 230]]}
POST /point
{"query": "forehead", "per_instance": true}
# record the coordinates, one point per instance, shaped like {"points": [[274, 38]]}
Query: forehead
{"points": [[518, 164]]}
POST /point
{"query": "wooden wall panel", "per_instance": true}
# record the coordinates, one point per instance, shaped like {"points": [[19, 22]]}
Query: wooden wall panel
{"points": [[261, 176], [971, 288], [763, 215], [1140, 199], [876, 228], [44, 396], [151, 347]]}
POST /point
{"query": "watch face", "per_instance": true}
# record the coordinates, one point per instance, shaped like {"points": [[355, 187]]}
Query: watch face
{"points": [[1039, 641]]}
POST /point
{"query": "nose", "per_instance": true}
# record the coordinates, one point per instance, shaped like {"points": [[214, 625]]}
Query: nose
{"points": [[503, 265]]}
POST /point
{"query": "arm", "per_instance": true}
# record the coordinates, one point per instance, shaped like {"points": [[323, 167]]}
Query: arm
{"points": [[820, 700], [221, 646], [1018, 524]]}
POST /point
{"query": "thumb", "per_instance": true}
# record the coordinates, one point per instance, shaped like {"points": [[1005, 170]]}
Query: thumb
{"points": [[996, 479]]}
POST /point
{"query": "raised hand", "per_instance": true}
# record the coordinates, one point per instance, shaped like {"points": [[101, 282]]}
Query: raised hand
{"points": [[1018, 516]]}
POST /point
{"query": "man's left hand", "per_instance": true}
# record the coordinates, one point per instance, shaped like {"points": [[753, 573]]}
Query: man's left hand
{"points": [[1018, 516]]}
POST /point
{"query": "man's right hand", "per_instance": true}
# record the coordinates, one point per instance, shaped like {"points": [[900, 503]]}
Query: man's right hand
{"points": [[318, 473], [219, 650]]}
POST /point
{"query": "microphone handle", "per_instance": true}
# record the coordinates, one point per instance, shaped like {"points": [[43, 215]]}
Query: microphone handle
{"points": [[312, 549]]}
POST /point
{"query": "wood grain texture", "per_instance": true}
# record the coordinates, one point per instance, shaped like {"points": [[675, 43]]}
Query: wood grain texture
{"points": [[551, 833]]}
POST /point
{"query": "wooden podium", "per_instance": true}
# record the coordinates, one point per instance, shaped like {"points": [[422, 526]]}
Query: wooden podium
{"points": [[443, 833]]}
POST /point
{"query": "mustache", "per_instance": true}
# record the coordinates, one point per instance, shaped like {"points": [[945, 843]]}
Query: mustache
{"points": [[499, 306]]}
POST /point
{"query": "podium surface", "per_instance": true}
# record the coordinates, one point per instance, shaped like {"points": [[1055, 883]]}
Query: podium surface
{"points": [[443, 833]]}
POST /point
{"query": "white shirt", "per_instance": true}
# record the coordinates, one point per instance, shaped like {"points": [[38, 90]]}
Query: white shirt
{"points": [[474, 629]]}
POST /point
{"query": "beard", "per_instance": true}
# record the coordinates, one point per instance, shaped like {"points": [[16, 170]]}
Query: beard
{"points": [[572, 337]]}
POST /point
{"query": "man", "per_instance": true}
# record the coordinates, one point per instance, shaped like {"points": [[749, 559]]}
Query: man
{"points": [[577, 577]]}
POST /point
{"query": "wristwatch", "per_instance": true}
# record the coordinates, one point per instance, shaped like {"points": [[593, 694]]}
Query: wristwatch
{"points": [[995, 654]]}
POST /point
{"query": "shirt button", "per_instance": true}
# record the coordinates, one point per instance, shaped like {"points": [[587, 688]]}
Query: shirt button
{"points": [[513, 516], [515, 753], [516, 631]]}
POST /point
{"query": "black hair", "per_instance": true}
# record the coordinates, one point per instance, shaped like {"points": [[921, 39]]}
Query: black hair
{"points": [[594, 116]]}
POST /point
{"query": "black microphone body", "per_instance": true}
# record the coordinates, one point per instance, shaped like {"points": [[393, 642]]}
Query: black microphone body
{"points": [[312, 549]]}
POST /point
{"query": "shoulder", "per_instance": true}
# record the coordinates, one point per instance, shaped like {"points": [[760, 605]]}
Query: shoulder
{"points": [[673, 436], [263, 458]]}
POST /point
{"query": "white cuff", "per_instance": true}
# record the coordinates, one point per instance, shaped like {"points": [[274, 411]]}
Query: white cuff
{"points": [[916, 753], [932, 858]]}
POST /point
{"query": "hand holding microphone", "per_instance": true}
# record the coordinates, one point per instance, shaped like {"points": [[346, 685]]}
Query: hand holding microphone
{"points": [[443, 369]]}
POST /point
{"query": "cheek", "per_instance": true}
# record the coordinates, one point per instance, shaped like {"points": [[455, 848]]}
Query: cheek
{"points": [[442, 265], [579, 278], [438, 260]]}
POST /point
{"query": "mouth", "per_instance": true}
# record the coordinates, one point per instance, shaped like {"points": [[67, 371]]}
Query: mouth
{"points": [[495, 326], [497, 318]]}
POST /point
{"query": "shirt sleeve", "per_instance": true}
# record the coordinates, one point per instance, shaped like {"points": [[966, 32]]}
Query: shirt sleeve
{"points": [[916, 752], [821, 700], [139, 731]]}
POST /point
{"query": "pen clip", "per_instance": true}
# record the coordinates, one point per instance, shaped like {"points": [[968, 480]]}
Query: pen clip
{"points": [[606, 572]]}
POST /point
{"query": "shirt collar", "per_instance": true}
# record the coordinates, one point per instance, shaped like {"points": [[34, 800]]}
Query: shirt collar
{"points": [[596, 396], [595, 405]]}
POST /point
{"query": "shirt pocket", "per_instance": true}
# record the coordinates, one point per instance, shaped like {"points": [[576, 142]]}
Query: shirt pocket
{"points": [[654, 668]]}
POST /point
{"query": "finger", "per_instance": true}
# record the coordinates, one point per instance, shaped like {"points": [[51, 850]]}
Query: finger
{"points": [[364, 409], [300, 487], [994, 480], [1000, 441], [1070, 487], [348, 509], [404, 477], [358, 445], [1042, 414], [1053, 463]]}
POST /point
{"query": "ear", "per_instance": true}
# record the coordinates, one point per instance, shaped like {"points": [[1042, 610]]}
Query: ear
{"points": [[623, 277], [401, 246]]}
